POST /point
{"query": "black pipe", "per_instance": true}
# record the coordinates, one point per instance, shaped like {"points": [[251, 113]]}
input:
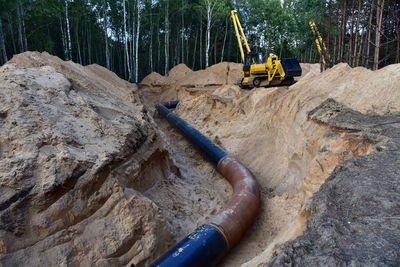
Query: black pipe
{"points": [[209, 243], [208, 149]]}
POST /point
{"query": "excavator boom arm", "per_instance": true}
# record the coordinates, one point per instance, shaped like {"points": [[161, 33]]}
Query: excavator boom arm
{"points": [[319, 42], [238, 27]]}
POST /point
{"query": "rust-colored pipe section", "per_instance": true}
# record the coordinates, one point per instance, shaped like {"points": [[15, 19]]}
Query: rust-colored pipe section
{"points": [[210, 242], [241, 210]]}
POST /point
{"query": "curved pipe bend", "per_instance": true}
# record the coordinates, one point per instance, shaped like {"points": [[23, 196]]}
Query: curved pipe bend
{"points": [[207, 245]]}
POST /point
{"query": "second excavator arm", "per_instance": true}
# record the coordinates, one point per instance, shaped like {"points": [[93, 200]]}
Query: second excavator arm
{"points": [[238, 27]]}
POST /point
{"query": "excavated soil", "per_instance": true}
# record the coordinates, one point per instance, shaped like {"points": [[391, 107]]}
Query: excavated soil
{"points": [[274, 132], [90, 175]]}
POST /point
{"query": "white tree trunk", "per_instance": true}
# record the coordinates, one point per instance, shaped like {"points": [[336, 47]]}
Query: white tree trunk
{"points": [[68, 31], [21, 44], [209, 5], [137, 41], [133, 38], [23, 28], [158, 48], [183, 33], [201, 43], [151, 43], [105, 26], [126, 44], [208, 8], [166, 45], [379, 12]]}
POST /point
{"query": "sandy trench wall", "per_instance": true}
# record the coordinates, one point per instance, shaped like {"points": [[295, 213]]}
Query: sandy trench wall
{"points": [[271, 131], [67, 194], [257, 124]]}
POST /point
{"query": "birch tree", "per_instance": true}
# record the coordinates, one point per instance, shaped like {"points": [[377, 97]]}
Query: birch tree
{"points": [[126, 43], [151, 40], [105, 28], [68, 32], [139, 8], [357, 33], [166, 41], [212, 7], [23, 27], [379, 12], [21, 44], [209, 5]]}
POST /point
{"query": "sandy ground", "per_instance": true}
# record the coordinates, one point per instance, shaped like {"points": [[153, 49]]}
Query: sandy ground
{"points": [[104, 181], [270, 131]]}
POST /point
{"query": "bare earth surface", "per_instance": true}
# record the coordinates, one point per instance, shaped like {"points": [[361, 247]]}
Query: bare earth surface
{"points": [[89, 175], [290, 152]]}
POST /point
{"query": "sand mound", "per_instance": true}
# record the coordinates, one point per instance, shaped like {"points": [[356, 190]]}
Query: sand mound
{"points": [[181, 75], [309, 68], [155, 79], [67, 196], [178, 72]]}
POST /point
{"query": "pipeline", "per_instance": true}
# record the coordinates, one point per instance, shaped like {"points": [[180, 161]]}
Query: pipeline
{"points": [[210, 242]]}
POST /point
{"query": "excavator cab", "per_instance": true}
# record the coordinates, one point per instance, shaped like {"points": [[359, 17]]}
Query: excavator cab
{"points": [[251, 58]]}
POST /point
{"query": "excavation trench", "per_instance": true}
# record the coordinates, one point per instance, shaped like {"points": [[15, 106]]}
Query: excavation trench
{"points": [[289, 166]]}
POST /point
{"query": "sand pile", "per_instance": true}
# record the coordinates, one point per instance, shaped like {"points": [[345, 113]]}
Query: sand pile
{"points": [[215, 75], [67, 192], [307, 67], [86, 176], [290, 152], [155, 79], [178, 73]]}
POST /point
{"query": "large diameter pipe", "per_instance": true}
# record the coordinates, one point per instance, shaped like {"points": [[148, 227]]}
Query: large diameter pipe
{"points": [[209, 243], [208, 149]]}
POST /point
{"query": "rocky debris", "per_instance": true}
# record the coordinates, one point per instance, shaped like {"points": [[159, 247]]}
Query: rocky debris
{"points": [[355, 215], [65, 132]]}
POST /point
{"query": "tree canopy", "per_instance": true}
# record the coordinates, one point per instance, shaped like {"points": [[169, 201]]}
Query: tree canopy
{"points": [[155, 35]]}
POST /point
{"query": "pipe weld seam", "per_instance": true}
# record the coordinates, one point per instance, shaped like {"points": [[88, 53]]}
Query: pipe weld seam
{"points": [[223, 233]]}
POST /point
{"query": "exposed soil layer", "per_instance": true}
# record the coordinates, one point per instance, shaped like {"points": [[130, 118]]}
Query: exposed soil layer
{"points": [[355, 215], [272, 132], [66, 134], [89, 175]]}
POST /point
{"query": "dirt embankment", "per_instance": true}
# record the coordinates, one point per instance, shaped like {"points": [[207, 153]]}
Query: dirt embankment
{"points": [[89, 175], [67, 195], [291, 153]]}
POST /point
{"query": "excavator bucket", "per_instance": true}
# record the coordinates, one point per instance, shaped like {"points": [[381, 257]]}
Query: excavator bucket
{"points": [[291, 67]]}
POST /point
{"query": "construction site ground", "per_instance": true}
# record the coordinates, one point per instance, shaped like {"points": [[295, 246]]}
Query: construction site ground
{"points": [[90, 174]]}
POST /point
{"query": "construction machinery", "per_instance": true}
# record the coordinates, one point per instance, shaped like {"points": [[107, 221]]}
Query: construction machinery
{"points": [[258, 73], [323, 52]]}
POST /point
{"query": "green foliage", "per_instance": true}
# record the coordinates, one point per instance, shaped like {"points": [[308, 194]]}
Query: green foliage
{"points": [[276, 26]]}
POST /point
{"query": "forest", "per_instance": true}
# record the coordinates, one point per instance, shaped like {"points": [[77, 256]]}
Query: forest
{"points": [[135, 37]]}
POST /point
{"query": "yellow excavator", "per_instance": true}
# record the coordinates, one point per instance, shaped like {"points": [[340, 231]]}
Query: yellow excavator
{"points": [[256, 72]]}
